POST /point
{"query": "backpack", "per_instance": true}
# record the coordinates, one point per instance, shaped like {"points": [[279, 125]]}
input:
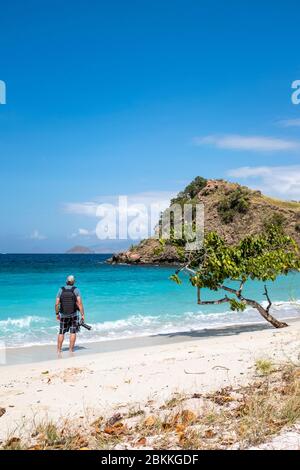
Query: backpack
{"points": [[68, 301]]}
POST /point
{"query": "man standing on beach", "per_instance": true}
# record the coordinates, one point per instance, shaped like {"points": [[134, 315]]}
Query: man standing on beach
{"points": [[68, 303]]}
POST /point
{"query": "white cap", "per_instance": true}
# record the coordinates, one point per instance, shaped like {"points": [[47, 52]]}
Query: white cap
{"points": [[70, 279]]}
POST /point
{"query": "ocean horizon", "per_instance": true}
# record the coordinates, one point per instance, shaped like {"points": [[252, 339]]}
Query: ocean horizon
{"points": [[120, 301]]}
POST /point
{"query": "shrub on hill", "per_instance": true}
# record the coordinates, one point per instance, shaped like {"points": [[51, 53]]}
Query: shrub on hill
{"points": [[235, 202]]}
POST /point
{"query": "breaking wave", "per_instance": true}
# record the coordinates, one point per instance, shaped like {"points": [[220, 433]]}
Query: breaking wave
{"points": [[35, 330]]}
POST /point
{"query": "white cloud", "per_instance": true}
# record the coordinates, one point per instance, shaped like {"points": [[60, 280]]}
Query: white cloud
{"points": [[253, 143], [36, 235], [248, 171], [290, 123], [83, 232], [161, 198], [283, 181], [81, 208]]}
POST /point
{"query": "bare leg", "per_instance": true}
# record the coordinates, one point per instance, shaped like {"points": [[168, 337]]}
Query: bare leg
{"points": [[72, 341], [60, 340]]}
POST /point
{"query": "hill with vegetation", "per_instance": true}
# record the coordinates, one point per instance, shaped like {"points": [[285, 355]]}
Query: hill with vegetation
{"points": [[231, 210]]}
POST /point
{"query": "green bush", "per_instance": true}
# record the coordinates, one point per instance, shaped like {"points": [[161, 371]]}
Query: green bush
{"points": [[180, 252], [190, 191], [158, 251], [236, 202], [276, 220]]}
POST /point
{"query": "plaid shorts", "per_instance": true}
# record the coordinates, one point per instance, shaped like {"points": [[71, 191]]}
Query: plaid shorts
{"points": [[70, 324]]}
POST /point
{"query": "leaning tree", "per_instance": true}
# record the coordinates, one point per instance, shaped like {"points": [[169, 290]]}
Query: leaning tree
{"points": [[260, 257]]}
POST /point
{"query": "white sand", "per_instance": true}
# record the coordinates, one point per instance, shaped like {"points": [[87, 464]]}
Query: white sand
{"points": [[88, 386]]}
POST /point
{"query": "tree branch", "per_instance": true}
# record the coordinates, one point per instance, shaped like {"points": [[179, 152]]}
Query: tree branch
{"points": [[186, 268], [229, 289], [190, 270], [213, 302], [198, 295], [264, 312], [241, 288], [266, 293]]}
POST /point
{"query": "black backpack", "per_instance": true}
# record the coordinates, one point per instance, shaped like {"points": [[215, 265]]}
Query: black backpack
{"points": [[68, 301]]}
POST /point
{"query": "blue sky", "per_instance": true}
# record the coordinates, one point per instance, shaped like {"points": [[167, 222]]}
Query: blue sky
{"points": [[137, 98]]}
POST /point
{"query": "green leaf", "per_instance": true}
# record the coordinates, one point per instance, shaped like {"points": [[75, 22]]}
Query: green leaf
{"points": [[237, 306], [175, 278]]}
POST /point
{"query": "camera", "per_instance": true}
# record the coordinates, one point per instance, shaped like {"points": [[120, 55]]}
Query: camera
{"points": [[84, 325]]}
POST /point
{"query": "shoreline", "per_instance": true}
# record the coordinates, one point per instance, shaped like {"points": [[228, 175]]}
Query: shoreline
{"points": [[83, 387], [47, 352], [37, 333]]}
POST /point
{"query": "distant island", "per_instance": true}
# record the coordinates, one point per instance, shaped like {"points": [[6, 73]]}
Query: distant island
{"points": [[79, 249], [107, 247]]}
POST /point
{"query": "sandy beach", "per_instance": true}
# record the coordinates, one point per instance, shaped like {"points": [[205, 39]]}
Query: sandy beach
{"points": [[102, 378]]}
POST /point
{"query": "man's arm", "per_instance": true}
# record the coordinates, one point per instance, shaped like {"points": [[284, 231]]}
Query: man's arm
{"points": [[80, 306], [57, 305]]}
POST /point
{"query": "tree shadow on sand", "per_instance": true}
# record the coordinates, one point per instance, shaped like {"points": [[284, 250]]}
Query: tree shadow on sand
{"points": [[215, 332]]}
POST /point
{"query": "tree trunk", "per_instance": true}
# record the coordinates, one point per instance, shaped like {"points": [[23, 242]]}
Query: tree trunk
{"points": [[263, 311], [267, 316]]}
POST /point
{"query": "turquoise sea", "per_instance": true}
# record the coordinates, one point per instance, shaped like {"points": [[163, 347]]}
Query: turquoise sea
{"points": [[120, 301]]}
